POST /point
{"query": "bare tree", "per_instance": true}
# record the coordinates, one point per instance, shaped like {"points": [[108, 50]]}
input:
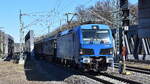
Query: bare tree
{"points": [[101, 11], [133, 14], [104, 11]]}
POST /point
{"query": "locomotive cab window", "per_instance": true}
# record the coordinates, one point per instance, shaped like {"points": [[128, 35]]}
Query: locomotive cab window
{"points": [[96, 36]]}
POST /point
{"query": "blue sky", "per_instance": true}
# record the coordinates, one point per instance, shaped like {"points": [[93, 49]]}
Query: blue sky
{"points": [[9, 15]]}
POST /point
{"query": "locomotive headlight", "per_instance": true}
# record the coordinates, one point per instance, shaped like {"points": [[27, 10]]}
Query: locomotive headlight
{"points": [[85, 51], [95, 27], [86, 60], [109, 60], [108, 51], [111, 51], [81, 51]]}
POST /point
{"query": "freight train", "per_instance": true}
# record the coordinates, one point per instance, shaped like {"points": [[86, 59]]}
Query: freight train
{"points": [[6, 46], [89, 47]]}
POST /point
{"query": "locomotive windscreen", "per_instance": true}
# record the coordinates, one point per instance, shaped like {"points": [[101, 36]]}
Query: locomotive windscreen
{"points": [[96, 36]]}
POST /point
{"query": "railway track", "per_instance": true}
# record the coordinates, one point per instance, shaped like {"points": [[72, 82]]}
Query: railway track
{"points": [[102, 77], [98, 79], [110, 79], [137, 69], [80, 72], [123, 80], [107, 78]]}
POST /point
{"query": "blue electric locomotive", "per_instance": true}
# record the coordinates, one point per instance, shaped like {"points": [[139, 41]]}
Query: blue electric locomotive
{"points": [[88, 46]]}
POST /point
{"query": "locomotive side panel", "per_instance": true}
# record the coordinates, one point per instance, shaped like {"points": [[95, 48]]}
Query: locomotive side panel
{"points": [[77, 46], [49, 50], [38, 50], [65, 47]]}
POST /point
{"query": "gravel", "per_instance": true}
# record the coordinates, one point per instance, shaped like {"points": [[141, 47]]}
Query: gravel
{"points": [[110, 80], [78, 79], [40, 72], [135, 76]]}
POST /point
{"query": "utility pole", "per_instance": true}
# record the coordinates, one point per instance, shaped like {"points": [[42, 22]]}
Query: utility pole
{"points": [[48, 27], [1, 43], [125, 19], [116, 23], [21, 60], [22, 31]]}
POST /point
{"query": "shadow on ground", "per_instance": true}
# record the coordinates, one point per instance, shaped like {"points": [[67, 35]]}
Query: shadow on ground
{"points": [[37, 70]]}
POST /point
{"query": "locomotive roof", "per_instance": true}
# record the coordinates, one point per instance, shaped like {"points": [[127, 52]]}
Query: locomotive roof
{"points": [[86, 26], [101, 26]]}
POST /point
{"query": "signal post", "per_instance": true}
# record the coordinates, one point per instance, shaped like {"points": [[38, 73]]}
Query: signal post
{"points": [[125, 23]]}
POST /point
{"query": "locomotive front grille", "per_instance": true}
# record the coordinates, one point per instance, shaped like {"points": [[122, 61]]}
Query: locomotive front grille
{"points": [[106, 51], [86, 52]]}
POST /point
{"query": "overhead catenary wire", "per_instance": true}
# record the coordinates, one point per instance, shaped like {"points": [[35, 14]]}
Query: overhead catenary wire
{"points": [[101, 17]]}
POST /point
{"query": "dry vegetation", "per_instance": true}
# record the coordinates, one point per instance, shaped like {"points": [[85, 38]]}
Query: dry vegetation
{"points": [[14, 74]]}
